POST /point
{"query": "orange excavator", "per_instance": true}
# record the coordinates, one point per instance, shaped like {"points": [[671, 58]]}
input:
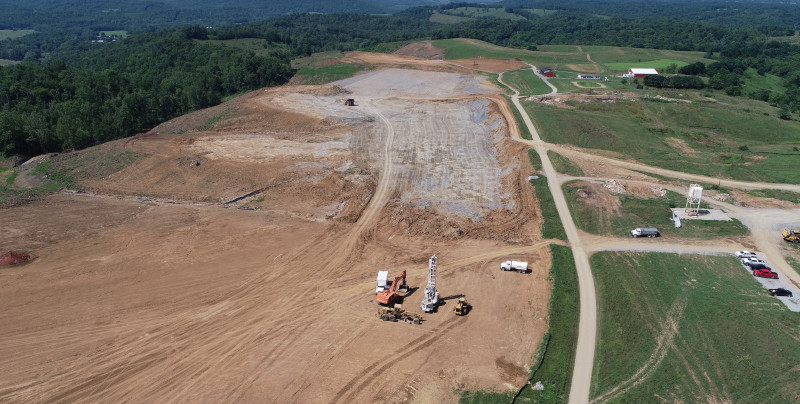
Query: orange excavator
{"points": [[398, 286]]}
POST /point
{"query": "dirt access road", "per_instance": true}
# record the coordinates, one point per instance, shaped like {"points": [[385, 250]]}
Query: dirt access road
{"points": [[764, 224], [148, 287]]}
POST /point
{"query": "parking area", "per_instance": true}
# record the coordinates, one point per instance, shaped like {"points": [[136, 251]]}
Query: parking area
{"points": [[793, 302]]}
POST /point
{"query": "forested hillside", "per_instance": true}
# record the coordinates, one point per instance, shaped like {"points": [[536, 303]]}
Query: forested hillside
{"points": [[73, 93]]}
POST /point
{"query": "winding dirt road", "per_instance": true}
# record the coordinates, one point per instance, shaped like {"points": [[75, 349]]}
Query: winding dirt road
{"points": [[763, 224], [587, 327]]}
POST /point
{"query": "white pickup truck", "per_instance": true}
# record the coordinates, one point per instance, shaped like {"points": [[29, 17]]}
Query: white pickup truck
{"points": [[519, 266]]}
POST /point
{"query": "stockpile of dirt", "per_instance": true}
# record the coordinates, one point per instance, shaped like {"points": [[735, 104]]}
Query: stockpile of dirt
{"points": [[11, 258]]}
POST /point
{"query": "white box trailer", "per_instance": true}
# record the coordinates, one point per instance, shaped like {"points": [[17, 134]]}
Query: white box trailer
{"points": [[383, 280], [519, 266]]}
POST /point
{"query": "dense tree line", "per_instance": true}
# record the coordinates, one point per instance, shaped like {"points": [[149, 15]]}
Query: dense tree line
{"points": [[770, 18], [676, 81], [122, 90], [85, 93]]}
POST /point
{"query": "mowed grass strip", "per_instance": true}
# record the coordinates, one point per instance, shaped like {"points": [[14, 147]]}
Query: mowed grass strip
{"points": [[555, 371], [14, 33], [473, 48], [564, 165], [598, 211], [328, 74], [733, 139], [552, 226], [689, 328], [526, 81]]}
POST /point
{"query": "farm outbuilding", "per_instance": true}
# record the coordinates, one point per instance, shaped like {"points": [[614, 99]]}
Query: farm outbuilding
{"points": [[589, 76], [548, 72], [639, 73]]}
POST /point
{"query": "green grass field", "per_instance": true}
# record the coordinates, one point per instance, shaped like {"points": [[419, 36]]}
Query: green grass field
{"points": [[555, 371], [14, 33], [552, 226], [540, 11], [526, 81], [327, 74], [564, 165], [690, 328], [713, 132], [260, 47], [655, 64], [790, 196], [472, 48], [624, 212], [483, 12], [442, 18]]}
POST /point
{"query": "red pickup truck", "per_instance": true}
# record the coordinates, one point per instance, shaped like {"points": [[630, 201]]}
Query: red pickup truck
{"points": [[765, 273]]}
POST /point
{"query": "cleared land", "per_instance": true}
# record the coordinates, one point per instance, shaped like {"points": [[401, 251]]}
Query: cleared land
{"points": [[148, 286]]}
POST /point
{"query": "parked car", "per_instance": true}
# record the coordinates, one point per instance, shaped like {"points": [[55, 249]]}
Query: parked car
{"points": [[744, 254], [780, 292], [750, 261], [765, 273], [758, 265]]}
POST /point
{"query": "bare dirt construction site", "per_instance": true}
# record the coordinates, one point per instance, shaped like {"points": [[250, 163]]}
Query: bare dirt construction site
{"points": [[235, 258]]}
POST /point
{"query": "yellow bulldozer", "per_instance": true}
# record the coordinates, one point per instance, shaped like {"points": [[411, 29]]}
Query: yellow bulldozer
{"points": [[792, 236]]}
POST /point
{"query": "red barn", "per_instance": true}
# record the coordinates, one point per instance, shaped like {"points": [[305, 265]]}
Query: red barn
{"points": [[548, 72]]}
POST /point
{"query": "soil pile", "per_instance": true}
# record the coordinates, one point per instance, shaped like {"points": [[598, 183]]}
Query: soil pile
{"points": [[11, 258]]}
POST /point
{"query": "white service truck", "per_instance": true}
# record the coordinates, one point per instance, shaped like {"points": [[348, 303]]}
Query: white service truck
{"points": [[519, 266], [645, 232]]}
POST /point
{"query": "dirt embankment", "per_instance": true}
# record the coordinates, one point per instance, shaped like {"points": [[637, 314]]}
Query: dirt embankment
{"points": [[170, 295]]}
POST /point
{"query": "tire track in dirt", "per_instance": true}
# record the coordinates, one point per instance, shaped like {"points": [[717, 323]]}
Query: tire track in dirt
{"points": [[392, 359]]}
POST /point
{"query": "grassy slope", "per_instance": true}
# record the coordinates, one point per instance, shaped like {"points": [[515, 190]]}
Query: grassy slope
{"points": [[526, 81], [483, 12], [564, 165], [734, 342], [713, 130], [635, 212], [552, 226], [14, 34]]}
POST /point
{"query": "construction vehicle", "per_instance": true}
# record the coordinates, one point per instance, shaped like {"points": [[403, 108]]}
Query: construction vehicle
{"points": [[519, 266], [645, 232], [388, 296], [431, 299], [397, 313], [462, 307], [792, 236]]}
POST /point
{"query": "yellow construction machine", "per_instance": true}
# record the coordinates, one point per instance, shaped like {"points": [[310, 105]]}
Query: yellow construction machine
{"points": [[792, 236], [399, 313], [462, 307]]}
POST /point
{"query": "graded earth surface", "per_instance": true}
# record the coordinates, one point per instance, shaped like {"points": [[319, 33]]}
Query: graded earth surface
{"points": [[235, 259]]}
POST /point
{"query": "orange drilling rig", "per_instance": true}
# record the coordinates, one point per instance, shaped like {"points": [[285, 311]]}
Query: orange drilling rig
{"points": [[398, 286]]}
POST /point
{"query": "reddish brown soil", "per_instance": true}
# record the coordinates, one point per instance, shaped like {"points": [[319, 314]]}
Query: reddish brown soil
{"points": [[148, 289], [10, 258]]}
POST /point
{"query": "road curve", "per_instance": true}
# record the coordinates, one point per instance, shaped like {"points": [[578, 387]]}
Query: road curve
{"points": [[587, 326]]}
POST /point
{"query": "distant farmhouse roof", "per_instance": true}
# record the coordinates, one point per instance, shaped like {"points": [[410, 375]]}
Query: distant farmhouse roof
{"points": [[548, 72], [634, 70]]}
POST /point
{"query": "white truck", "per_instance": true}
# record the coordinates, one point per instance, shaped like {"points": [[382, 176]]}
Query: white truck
{"points": [[519, 266], [645, 232]]}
